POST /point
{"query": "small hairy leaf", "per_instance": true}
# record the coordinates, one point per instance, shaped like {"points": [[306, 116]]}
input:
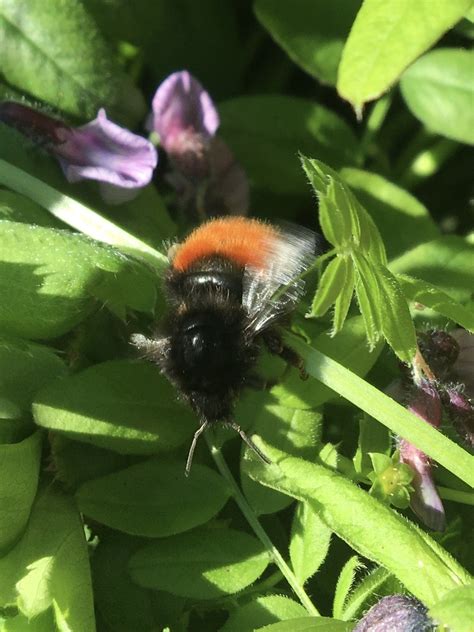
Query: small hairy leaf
{"points": [[154, 498], [344, 585], [397, 325], [343, 301], [332, 282], [309, 543], [201, 564], [368, 297], [367, 589]]}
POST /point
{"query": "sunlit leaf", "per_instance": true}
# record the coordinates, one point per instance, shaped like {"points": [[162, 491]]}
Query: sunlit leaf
{"points": [[386, 38]]}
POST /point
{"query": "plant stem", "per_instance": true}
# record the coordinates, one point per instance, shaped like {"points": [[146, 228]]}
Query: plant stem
{"points": [[375, 121], [259, 530], [77, 215], [466, 498], [386, 410]]}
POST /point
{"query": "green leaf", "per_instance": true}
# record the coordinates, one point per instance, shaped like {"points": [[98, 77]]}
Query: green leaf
{"points": [[344, 584], [335, 219], [386, 38], [368, 297], [42, 623], [349, 347], [267, 132], [439, 91], [373, 437], [402, 220], [454, 610], [308, 624], [75, 462], [124, 406], [50, 566], [397, 325], [19, 470], [369, 588], [125, 606], [355, 516], [18, 208], [24, 369], [446, 262], [48, 279], [201, 564], [309, 543], [38, 38], [332, 282], [75, 214], [343, 301], [292, 430], [345, 222], [399, 420], [424, 293], [314, 35], [262, 611], [154, 498]]}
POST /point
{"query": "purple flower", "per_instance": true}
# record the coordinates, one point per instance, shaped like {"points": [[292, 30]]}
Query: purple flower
{"points": [[396, 613], [182, 108], [425, 403], [121, 161], [205, 174]]}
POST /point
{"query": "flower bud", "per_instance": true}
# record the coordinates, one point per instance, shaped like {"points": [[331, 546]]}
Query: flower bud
{"points": [[396, 613], [425, 403]]}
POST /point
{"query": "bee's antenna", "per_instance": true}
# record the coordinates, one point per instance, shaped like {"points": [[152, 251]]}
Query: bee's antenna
{"points": [[249, 442], [197, 434]]}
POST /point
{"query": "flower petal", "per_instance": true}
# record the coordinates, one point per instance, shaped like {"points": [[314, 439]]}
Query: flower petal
{"points": [[181, 104], [102, 150]]}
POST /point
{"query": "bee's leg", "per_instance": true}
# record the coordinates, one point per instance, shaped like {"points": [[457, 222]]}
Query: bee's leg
{"points": [[275, 344]]}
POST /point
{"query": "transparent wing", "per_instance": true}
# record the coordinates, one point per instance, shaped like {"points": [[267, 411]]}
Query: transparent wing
{"points": [[272, 292]]}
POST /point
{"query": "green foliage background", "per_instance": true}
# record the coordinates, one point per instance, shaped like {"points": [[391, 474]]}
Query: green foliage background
{"points": [[353, 118]]}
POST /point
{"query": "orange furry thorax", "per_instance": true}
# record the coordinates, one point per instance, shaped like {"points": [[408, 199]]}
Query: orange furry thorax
{"points": [[243, 241]]}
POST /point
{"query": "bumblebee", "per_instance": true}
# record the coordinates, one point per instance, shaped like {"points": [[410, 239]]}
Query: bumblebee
{"points": [[230, 286]]}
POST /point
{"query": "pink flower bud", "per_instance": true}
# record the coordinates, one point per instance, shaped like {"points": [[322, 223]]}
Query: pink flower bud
{"points": [[425, 403]]}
